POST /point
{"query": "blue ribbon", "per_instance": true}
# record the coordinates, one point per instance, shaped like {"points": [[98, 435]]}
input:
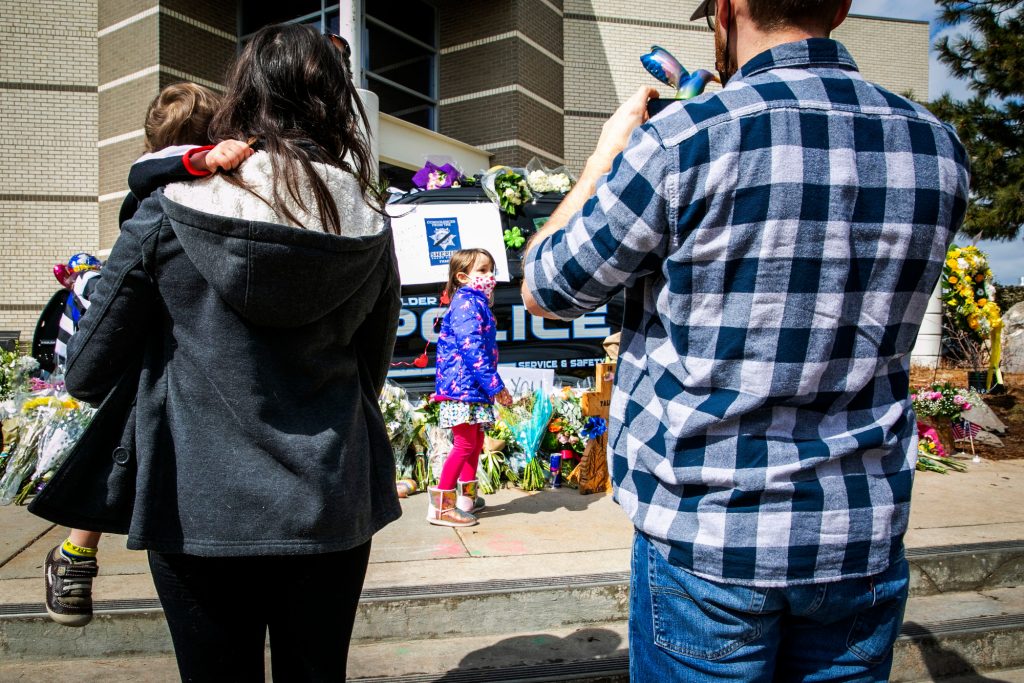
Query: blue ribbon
{"points": [[595, 427]]}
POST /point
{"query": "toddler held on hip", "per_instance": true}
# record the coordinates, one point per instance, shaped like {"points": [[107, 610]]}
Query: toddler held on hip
{"points": [[177, 148], [467, 384]]}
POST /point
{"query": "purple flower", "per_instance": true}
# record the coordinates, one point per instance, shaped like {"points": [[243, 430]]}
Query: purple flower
{"points": [[434, 177]]}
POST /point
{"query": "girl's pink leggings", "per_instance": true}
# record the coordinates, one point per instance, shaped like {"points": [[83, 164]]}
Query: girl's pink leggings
{"points": [[462, 461]]}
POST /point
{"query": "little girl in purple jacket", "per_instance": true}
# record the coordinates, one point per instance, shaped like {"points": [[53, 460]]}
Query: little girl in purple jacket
{"points": [[467, 384]]}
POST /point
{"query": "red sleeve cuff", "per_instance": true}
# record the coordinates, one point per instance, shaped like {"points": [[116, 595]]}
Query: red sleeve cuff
{"points": [[187, 160]]}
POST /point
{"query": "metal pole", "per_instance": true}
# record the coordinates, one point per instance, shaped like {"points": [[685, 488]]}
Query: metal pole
{"points": [[350, 27]]}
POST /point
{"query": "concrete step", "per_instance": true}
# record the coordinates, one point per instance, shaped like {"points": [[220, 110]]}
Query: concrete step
{"points": [[959, 633], [473, 608], [985, 645], [527, 628], [1001, 676], [598, 652], [966, 567]]}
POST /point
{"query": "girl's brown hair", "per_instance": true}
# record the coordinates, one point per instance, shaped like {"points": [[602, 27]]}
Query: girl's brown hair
{"points": [[180, 115], [292, 90], [463, 261]]}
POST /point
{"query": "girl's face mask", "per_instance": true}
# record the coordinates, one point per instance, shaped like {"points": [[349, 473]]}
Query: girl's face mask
{"points": [[483, 283]]}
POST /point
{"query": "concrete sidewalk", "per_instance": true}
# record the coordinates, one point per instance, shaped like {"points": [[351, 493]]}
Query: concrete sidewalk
{"points": [[550, 533]]}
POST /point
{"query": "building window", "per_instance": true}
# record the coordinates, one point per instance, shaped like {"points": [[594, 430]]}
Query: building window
{"points": [[399, 50], [320, 14], [400, 59]]}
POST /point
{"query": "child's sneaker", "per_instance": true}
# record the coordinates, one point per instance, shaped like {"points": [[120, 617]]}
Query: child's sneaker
{"points": [[69, 588]]}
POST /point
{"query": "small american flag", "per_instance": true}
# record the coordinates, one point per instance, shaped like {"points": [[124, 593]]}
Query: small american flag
{"points": [[964, 429]]}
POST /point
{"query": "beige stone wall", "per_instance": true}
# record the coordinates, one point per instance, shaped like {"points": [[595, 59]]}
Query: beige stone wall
{"points": [[144, 46], [48, 171], [604, 40], [893, 54]]}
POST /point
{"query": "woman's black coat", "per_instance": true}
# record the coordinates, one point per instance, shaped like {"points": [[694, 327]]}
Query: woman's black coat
{"points": [[263, 350]]}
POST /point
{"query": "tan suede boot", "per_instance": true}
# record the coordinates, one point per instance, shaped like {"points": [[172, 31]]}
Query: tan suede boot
{"points": [[467, 500], [441, 509]]}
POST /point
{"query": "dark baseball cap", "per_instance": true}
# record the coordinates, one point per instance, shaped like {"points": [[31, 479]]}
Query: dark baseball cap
{"points": [[705, 8]]}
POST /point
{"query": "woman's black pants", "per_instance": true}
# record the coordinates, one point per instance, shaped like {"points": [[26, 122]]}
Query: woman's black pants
{"points": [[219, 610]]}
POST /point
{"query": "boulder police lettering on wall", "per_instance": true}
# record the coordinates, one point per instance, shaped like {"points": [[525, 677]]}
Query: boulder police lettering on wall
{"points": [[523, 325]]}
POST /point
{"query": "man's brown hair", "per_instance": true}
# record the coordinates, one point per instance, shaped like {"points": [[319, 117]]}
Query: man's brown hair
{"points": [[771, 15], [180, 115]]}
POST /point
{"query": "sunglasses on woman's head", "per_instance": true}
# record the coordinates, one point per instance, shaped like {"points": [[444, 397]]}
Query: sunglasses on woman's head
{"points": [[340, 43]]}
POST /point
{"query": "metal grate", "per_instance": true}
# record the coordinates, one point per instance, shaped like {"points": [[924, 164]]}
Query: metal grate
{"points": [[993, 546], [992, 623], [36, 609]]}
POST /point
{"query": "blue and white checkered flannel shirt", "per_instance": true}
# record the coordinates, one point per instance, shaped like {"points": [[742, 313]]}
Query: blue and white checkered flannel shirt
{"points": [[778, 242]]}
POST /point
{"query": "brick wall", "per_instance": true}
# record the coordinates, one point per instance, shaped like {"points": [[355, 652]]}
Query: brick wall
{"points": [[893, 54], [143, 47], [48, 106], [603, 41], [501, 83]]}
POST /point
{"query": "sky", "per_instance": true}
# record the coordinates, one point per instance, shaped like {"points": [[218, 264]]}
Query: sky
{"points": [[1005, 258]]}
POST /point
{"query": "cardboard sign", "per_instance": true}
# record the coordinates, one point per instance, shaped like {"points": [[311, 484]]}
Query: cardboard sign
{"points": [[427, 235], [521, 381]]}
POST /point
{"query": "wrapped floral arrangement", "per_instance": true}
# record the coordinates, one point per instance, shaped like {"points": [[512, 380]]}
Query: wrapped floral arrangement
{"points": [[432, 443], [968, 292], [971, 316], [943, 401], [527, 420], [932, 458], [439, 177], [15, 371], [401, 424], [38, 437], [541, 179], [507, 187], [519, 444]]}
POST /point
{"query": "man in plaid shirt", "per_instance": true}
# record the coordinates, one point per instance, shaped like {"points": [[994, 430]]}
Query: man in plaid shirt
{"points": [[778, 242]]}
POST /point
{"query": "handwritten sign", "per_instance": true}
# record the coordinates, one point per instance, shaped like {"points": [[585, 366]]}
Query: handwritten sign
{"points": [[520, 381]]}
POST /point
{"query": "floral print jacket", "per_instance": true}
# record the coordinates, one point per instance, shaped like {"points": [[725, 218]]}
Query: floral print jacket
{"points": [[467, 350]]}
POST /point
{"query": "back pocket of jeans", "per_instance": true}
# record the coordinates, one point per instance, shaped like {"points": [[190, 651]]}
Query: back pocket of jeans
{"points": [[697, 618], [875, 629]]}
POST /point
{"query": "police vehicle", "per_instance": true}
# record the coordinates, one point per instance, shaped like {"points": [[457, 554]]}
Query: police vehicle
{"points": [[571, 349]]}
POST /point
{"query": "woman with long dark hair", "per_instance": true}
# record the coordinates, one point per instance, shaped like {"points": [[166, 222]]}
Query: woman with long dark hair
{"points": [[265, 305]]}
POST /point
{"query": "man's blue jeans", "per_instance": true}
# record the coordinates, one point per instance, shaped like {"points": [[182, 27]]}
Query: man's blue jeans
{"points": [[685, 628]]}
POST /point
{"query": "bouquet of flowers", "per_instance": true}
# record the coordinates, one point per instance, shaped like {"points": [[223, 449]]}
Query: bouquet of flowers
{"points": [[434, 442], [494, 471], [541, 179], [970, 314], [49, 424], [563, 432], [942, 401], [439, 176], [931, 458], [527, 420], [400, 422], [15, 371], [507, 188]]}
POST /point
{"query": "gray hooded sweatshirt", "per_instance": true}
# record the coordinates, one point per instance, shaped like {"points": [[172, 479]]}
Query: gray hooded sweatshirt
{"points": [[264, 347]]}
